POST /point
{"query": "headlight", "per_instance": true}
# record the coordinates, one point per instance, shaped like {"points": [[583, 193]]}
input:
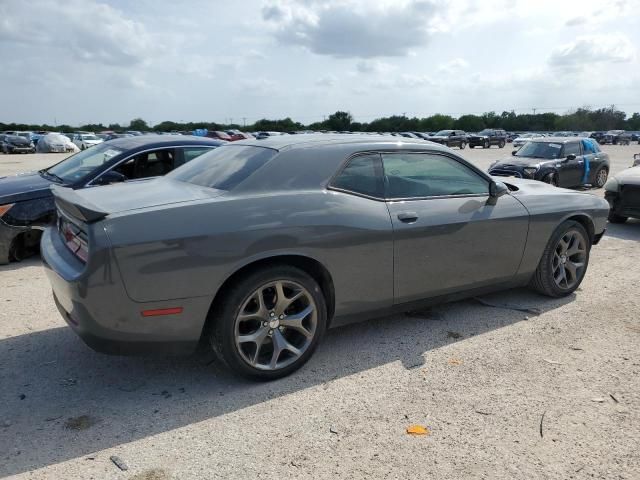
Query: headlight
{"points": [[5, 208], [611, 185]]}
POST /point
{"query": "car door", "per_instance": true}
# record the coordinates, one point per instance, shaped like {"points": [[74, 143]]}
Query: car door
{"points": [[147, 164], [449, 234], [571, 171]]}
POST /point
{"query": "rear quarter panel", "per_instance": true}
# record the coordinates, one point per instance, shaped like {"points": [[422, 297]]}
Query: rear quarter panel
{"points": [[189, 250]]}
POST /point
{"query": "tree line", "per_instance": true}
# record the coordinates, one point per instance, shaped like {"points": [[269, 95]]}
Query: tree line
{"points": [[581, 119]]}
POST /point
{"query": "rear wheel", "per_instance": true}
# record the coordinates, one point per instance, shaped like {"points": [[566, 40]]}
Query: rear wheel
{"points": [[269, 323], [501, 144], [472, 146], [601, 177], [564, 261], [463, 145], [486, 144]]}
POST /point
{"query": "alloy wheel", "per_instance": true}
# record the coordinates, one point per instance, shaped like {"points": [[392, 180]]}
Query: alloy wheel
{"points": [[275, 325], [569, 259], [601, 178]]}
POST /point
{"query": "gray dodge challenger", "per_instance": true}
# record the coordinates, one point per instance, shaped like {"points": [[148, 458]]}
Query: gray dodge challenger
{"points": [[261, 245]]}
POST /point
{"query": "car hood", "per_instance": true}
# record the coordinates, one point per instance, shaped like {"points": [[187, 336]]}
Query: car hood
{"points": [[24, 186], [128, 196], [630, 176], [523, 161]]}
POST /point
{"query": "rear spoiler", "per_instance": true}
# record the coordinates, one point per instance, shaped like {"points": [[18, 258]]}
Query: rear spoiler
{"points": [[68, 200]]}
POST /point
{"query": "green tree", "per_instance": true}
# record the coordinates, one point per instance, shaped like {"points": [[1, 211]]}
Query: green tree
{"points": [[469, 123], [138, 124], [339, 121]]}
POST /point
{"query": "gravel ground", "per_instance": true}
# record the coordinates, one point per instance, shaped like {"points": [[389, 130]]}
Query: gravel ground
{"points": [[505, 394]]}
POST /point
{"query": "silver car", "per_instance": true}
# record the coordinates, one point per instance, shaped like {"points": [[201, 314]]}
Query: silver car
{"points": [[261, 245]]}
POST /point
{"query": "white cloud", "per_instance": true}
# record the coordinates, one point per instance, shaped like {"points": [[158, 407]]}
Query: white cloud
{"points": [[326, 81], [89, 31], [355, 28], [587, 50], [453, 66]]}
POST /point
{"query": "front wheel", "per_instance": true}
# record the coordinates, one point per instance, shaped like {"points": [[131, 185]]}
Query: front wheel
{"points": [[601, 177], [486, 144], [564, 261], [472, 146], [269, 323], [463, 145]]}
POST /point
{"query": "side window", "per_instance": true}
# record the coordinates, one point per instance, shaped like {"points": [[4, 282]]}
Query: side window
{"points": [[425, 175], [190, 153], [363, 175], [147, 164], [572, 148]]}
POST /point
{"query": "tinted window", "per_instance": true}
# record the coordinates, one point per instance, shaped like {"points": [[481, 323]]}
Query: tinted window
{"points": [[425, 175], [225, 167], [572, 148], [148, 164], [192, 152], [362, 175], [82, 164], [548, 150]]}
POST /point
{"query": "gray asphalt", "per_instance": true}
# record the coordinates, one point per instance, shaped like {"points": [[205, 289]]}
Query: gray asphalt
{"points": [[504, 393]]}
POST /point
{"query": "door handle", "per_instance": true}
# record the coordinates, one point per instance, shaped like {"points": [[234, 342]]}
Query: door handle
{"points": [[408, 217]]}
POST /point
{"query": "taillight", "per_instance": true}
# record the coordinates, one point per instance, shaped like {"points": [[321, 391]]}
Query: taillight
{"points": [[74, 238]]}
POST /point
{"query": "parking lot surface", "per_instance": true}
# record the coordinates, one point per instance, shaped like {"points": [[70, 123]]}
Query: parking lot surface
{"points": [[513, 386]]}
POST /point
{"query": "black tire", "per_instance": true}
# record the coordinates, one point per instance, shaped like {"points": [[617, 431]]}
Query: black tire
{"points": [[501, 144], [486, 144], [82, 147], [543, 279], [599, 179], [472, 146], [615, 218], [551, 179], [223, 318], [463, 145]]}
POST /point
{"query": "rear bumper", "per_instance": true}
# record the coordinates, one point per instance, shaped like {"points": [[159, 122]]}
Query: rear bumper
{"points": [[622, 206], [94, 303]]}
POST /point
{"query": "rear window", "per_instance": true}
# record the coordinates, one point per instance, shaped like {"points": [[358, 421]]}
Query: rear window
{"points": [[225, 167]]}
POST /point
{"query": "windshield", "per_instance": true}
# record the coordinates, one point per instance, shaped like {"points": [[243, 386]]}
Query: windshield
{"points": [[223, 168], [443, 133], [485, 132], [90, 137], [540, 150], [81, 165]]}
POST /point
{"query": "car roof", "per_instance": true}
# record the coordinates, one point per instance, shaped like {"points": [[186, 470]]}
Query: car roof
{"points": [[557, 139], [152, 141], [288, 142]]}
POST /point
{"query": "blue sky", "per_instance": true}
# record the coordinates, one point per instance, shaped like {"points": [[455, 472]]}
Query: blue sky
{"points": [[83, 61]]}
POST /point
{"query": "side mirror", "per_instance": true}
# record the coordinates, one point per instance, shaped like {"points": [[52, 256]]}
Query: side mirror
{"points": [[497, 189], [110, 177], [514, 152], [571, 156]]}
